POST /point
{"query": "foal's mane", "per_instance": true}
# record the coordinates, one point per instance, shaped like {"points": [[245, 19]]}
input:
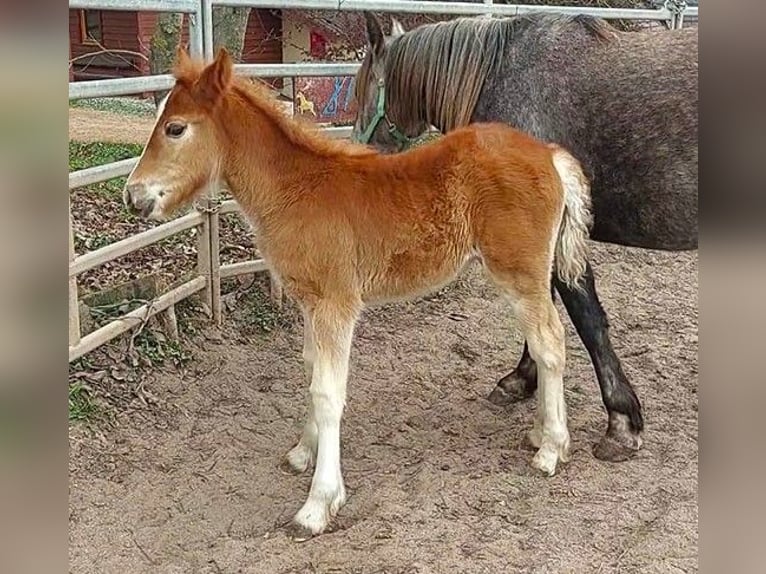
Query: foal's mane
{"points": [[436, 72], [301, 133]]}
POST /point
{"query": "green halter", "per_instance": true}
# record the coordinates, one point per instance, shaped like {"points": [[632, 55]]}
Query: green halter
{"points": [[380, 114]]}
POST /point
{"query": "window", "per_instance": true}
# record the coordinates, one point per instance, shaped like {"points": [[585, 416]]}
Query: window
{"points": [[91, 29]]}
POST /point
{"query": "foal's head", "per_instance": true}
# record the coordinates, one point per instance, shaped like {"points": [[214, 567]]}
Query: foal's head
{"points": [[183, 154]]}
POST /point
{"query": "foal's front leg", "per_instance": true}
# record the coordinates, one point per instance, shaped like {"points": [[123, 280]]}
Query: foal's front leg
{"points": [[332, 328], [303, 454]]}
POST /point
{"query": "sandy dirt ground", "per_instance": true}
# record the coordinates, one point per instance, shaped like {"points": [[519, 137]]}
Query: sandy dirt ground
{"points": [[95, 125], [439, 479]]}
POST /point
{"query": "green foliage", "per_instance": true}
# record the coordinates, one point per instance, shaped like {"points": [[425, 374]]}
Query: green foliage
{"points": [[80, 406], [85, 155], [124, 106], [156, 349]]}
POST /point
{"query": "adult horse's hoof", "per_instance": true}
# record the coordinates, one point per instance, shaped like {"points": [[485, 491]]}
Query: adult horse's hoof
{"points": [[512, 388], [619, 443]]}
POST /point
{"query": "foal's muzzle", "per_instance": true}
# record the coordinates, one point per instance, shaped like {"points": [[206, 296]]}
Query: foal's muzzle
{"points": [[137, 200]]}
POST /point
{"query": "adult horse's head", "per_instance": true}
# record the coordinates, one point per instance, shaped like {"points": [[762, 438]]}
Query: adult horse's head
{"points": [[183, 154], [430, 76], [376, 122]]}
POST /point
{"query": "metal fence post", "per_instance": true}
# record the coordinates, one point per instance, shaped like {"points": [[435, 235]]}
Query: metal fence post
{"points": [[213, 199], [196, 32], [677, 9], [197, 49]]}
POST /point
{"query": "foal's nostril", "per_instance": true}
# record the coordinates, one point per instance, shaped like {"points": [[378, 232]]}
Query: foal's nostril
{"points": [[134, 189], [132, 197]]}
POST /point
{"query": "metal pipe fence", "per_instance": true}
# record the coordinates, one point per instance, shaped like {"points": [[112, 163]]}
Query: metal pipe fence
{"points": [[206, 220]]}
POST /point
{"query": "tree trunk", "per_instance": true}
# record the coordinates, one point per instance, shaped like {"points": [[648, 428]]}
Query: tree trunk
{"points": [[229, 27], [167, 36]]}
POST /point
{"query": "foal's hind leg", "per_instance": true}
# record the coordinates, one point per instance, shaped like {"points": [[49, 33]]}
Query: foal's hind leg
{"points": [[544, 332], [521, 382], [626, 422]]}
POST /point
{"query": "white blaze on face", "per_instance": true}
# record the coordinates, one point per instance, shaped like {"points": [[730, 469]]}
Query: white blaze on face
{"points": [[157, 116], [152, 188]]}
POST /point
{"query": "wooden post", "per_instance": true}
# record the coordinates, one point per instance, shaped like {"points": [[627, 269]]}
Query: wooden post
{"points": [[169, 323], [203, 255], [74, 308], [277, 295], [215, 259]]}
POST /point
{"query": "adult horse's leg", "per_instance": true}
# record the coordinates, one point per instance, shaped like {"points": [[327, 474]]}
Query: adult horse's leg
{"points": [[626, 421]]}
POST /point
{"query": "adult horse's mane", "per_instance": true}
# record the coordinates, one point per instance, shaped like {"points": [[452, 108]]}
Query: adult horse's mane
{"points": [[437, 71]]}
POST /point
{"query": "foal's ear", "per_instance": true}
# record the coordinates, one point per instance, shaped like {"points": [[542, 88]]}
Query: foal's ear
{"points": [[375, 34], [216, 77], [396, 28], [183, 61]]}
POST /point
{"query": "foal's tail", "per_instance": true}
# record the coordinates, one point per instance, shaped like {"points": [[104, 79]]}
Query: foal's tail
{"points": [[572, 244]]}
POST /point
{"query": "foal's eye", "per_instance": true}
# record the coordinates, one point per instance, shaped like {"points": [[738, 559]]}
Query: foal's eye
{"points": [[175, 130]]}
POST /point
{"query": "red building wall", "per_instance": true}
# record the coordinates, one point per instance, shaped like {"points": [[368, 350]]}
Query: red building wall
{"points": [[119, 31], [133, 31]]}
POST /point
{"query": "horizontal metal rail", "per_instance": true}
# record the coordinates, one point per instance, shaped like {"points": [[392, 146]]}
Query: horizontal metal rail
{"points": [[338, 132], [186, 6], [453, 8], [133, 243], [119, 86], [126, 86], [99, 173], [135, 318], [298, 69]]}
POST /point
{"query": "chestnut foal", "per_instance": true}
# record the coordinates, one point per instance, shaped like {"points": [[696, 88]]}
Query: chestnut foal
{"points": [[342, 227]]}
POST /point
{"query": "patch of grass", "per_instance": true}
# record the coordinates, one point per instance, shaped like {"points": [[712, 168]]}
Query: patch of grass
{"points": [[88, 154], [260, 315], [80, 406], [85, 155], [123, 106], [154, 347]]}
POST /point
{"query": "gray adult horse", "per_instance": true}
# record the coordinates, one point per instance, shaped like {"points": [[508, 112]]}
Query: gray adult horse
{"points": [[624, 103]]}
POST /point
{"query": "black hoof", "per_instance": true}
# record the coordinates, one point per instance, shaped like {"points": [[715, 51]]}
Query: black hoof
{"points": [[620, 443], [610, 450], [512, 388]]}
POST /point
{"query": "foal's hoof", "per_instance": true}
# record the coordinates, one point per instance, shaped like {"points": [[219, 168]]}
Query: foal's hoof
{"points": [[545, 461], [298, 533], [297, 461], [620, 443], [285, 467], [512, 388]]}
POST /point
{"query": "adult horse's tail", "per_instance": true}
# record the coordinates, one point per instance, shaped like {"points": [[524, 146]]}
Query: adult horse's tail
{"points": [[572, 244]]}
